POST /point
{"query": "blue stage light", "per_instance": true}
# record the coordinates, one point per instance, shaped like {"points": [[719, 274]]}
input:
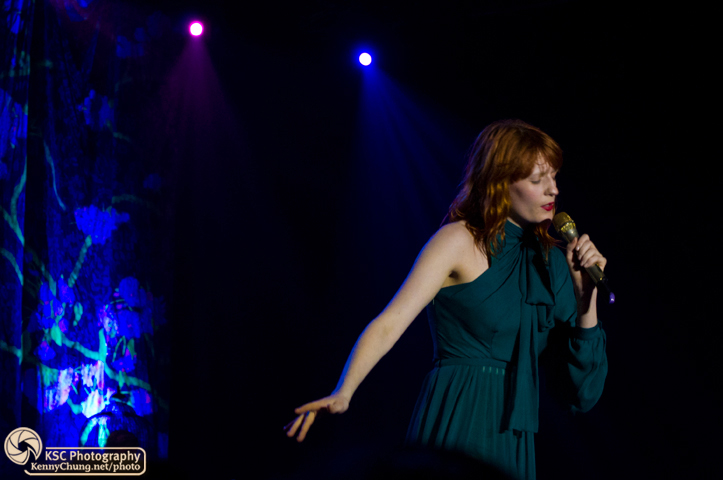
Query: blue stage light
{"points": [[365, 59]]}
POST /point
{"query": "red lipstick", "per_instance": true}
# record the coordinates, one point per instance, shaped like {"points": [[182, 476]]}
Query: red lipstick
{"points": [[549, 206]]}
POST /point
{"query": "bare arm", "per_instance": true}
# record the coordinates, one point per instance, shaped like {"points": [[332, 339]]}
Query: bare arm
{"points": [[437, 260]]}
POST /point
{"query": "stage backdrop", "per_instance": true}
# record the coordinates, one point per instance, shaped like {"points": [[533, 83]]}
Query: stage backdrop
{"points": [[86, 184]]}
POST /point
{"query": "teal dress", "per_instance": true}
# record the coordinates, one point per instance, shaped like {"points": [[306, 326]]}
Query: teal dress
{"points": [[489, 337]]}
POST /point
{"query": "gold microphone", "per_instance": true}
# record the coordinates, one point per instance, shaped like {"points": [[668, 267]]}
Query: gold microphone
{"points": [[566, 227]]}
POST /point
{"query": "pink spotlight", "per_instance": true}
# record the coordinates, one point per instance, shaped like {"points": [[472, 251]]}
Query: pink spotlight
{"points": [[196, 29]]}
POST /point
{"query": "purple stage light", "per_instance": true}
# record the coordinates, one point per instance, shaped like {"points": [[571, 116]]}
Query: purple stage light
{"points": [[365, 59], [196, 29]]}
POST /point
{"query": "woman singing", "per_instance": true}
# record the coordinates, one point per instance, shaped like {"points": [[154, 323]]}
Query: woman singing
{"points": [[501, 298]]}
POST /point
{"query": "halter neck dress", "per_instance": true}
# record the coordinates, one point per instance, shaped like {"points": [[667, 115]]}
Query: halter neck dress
{"points": [[481, 397]]}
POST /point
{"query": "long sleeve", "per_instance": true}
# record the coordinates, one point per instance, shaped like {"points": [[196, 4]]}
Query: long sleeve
{"points": [[575, 359]]}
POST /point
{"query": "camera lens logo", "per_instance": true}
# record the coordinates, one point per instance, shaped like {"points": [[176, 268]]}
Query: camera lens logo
{"points": [[20, 443]]}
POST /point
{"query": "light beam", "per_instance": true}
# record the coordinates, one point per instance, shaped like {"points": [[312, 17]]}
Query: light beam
{"points": [[365, 59], [196, 29]]}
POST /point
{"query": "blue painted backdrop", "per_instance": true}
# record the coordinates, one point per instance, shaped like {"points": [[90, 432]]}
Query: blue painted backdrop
{"points": [[86, 181]]}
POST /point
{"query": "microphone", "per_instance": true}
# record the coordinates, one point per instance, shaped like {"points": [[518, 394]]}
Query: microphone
{"points": [[566, 227]]}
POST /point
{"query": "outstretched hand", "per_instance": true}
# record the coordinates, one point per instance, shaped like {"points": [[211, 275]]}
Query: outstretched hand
{"points": [[307, 413]]}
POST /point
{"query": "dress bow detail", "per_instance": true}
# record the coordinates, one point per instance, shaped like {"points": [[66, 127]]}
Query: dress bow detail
{"points": [[536, 316]]}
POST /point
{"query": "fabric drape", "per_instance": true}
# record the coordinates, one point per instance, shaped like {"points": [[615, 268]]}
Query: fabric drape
{"points": [[86, 252]]}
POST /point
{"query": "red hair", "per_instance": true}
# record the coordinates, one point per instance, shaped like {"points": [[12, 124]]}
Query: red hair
{"points": [[504, 152]]}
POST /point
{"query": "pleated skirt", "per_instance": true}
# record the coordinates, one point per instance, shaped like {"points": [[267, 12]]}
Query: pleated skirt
{"points": [[461, 408]]}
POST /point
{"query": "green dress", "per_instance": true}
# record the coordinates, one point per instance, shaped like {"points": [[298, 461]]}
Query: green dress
{"points": [[489, 337]]}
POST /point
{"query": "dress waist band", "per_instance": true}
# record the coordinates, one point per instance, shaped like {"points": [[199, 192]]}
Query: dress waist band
{"points": [[473, 362]]}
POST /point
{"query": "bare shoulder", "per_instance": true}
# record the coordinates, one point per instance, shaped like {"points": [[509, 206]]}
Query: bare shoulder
{"points": [[454, 236], [447, 246], [457, 244]]}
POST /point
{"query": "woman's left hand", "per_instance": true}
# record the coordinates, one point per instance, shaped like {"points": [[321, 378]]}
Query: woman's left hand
{"points": [[582, 253]]}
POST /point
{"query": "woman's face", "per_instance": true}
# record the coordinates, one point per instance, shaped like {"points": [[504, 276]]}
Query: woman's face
{"points": [[533, 198]]}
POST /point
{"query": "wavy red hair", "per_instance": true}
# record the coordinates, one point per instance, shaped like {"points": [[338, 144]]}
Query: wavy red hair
{"points": [[504, 152]]}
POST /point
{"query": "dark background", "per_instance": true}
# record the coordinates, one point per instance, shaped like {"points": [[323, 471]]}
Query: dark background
{"points": [[291, 236], [306, 264]]}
